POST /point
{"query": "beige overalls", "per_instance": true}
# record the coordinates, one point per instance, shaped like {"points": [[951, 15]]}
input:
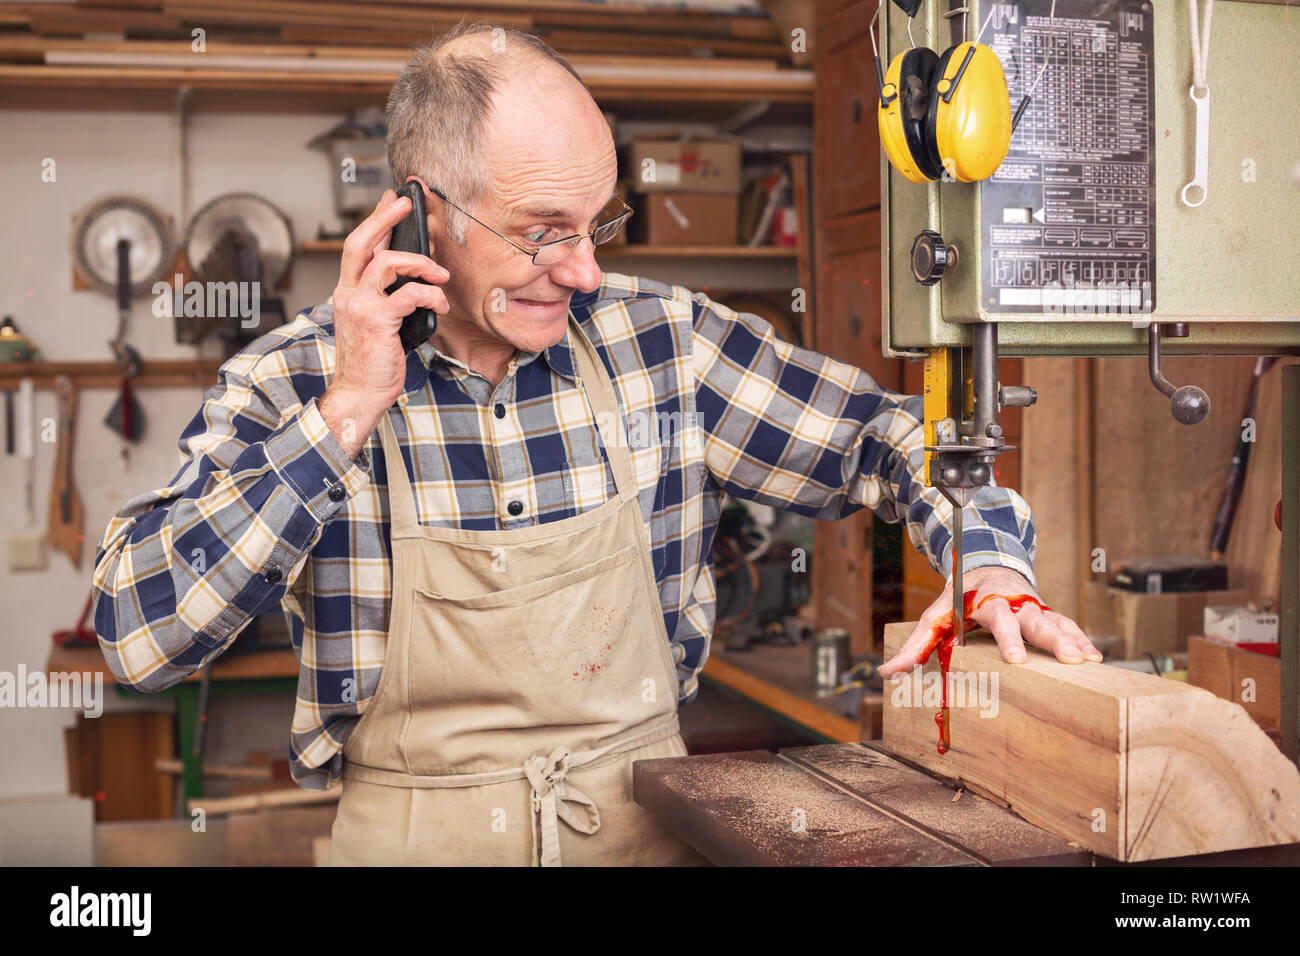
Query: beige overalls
{"points": [[524, 672]]}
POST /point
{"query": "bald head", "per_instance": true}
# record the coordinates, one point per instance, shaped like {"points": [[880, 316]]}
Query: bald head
{"points": [[481, 88]]}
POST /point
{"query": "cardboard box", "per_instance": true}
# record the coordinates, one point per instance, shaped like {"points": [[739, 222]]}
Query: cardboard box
{"points": [[1242, 627], [661, 165], [1251, 680], [1161, 623], [688, 219]]}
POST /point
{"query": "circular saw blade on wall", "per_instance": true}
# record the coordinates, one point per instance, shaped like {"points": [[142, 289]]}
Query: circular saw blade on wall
{"points": [[97, 230], [241, 215], [240, 238]]}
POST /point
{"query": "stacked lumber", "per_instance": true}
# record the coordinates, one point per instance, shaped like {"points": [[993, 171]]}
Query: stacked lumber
{"points": [[339, 46]]}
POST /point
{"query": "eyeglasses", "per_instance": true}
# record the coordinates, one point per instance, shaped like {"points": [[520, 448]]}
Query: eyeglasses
{"points": [[608, 223]]}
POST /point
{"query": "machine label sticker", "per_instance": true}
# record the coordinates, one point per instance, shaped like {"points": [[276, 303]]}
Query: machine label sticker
{"points": [[1069, 218]]}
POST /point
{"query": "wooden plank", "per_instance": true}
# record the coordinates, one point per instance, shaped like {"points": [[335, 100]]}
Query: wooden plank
{"points": [[116, 764], [1049, 479], [568, 42], [800, 188], [1223, 670], [159, 373], [755, 809], [1130, 765], [54, 19], [1141, 513], [294, 796], [609, 84], [993, 834], [175, 767], [1254, 553]]}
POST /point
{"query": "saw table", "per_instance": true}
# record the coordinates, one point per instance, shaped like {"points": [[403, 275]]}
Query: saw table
{"points": [[855, 805]]}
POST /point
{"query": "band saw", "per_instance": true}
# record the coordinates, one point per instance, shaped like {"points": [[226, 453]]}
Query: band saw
{"points": [[1101, 234]]}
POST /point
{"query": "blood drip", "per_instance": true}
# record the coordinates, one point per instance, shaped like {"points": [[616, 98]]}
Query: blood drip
{"points": [[942, 637], [1016, 601]]}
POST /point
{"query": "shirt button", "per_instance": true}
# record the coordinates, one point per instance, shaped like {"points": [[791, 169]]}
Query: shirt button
{"points": [[515, 507], [273, 576], [338, 493], [499, 411]]}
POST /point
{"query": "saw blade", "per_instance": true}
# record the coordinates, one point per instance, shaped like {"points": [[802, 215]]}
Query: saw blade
{"points": [[241, 213], [123, 217]]}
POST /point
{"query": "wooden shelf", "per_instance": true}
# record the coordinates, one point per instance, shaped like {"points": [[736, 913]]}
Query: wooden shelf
{"points": [[609, 86], [155, 374], [310, 246]]}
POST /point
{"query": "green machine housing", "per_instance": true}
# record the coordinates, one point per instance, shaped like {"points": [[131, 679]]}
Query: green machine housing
{"points": [[1082, 240]]}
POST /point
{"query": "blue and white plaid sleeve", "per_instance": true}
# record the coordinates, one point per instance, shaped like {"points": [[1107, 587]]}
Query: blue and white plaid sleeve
{"points": [[182, 569], [794, 429]]}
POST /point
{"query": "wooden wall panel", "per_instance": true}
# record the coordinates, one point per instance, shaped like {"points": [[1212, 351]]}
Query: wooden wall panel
{"points": [[1158, 482]]}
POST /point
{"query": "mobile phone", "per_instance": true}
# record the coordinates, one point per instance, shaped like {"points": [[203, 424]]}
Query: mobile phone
{"points": [[412, 235]]}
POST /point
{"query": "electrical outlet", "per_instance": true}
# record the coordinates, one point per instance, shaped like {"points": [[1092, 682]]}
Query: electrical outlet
{"points": [[26, 550]]}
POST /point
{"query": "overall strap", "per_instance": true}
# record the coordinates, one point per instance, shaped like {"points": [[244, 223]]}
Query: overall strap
{"points": [[600, 394], [401, 496]]}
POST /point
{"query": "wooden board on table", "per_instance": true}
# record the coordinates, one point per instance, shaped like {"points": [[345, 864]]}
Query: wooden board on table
{"points": [[756, 809], [989, 832], [1130, 765]]}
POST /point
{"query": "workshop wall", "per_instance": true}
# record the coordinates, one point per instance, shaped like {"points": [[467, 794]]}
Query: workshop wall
{"points": [[96, 154]]}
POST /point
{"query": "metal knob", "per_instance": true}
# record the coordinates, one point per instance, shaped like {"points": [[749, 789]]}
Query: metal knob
{"points": [[931, 257]]}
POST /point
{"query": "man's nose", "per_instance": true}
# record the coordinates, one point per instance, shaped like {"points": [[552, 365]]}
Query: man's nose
{"points": [[579, 269]]}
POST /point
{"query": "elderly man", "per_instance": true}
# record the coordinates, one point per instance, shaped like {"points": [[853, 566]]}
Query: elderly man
{"points": [[501, 590]]}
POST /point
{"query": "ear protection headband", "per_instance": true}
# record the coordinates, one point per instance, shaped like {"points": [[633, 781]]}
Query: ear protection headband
{"points": [[944, 113]]}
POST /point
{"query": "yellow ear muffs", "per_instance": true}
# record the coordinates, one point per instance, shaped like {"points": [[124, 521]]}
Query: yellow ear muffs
{"points": [[904, 105], [968, 122]]}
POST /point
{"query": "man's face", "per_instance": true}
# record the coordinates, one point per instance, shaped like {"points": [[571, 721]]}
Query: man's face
{"points": [[552, 169]]}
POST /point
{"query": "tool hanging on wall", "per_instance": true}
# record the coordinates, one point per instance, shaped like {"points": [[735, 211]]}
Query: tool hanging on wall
{"points": [[66, 513], [14, 347], [26, 548], [1200, 37], [81, 634], [124, 246], [243, 242]]}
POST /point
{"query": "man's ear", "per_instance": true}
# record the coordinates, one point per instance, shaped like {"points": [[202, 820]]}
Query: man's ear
{"points": [[429, 196]]}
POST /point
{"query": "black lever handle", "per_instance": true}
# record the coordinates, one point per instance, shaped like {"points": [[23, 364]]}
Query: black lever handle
{"points": [[1188, 404]]}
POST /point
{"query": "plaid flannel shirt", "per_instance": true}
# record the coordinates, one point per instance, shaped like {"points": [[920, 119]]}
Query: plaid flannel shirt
{"points": [[267, 508]]}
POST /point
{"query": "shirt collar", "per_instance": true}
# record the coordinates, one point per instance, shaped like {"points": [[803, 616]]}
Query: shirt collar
{"points": [[558, 356]]}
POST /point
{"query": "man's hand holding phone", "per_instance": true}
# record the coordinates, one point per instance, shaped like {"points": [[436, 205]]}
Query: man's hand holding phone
{"points": [[370, 363]]}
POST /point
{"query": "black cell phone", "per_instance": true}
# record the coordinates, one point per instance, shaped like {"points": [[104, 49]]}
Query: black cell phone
{"points": [[412, 235]]}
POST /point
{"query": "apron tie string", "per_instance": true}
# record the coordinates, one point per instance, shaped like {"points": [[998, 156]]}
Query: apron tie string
{"points": [[553, 797]]}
